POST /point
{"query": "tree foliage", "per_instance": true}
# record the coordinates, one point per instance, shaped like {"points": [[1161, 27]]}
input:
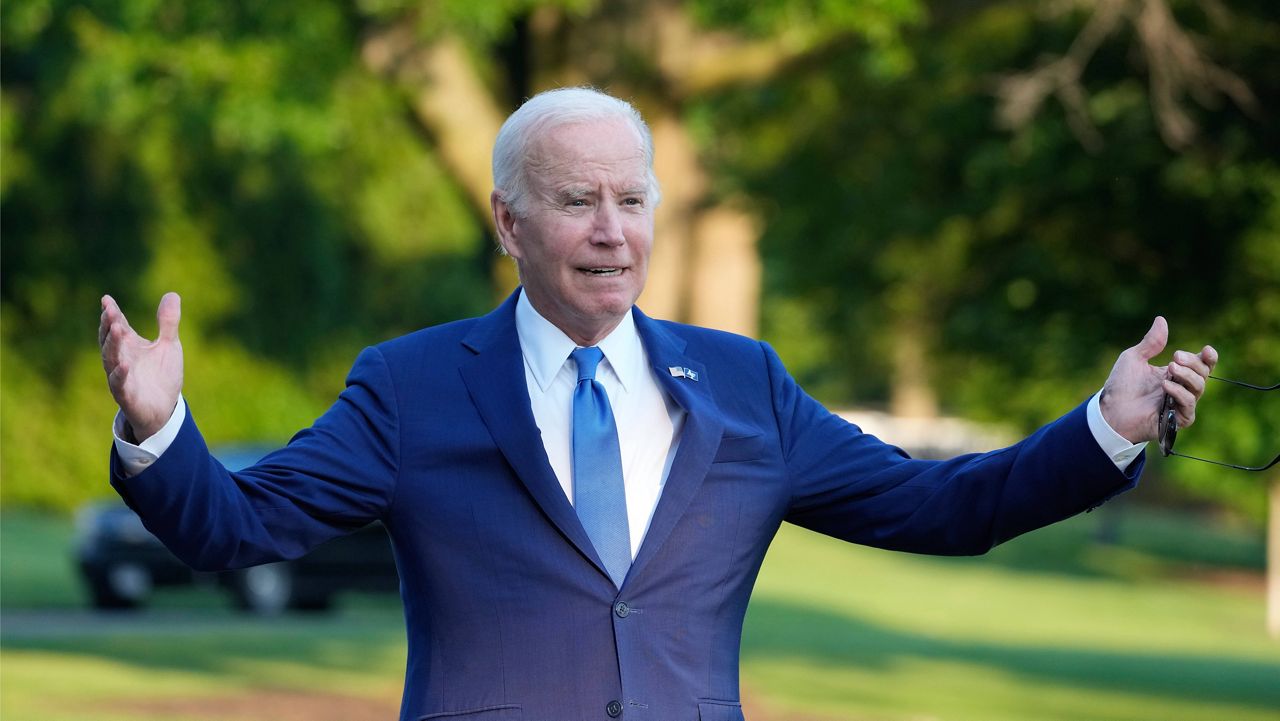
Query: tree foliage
{"points": [[265, 161], [1021, 260], [239, 154]]}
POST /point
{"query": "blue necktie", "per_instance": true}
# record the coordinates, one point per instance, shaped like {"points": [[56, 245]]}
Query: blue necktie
{"points": [[599, 496]]}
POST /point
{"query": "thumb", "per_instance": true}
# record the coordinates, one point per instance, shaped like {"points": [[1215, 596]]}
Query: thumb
{"points": [[168, 315], [1154, 341]]}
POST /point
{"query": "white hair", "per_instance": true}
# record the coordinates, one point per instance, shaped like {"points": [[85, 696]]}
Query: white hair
{"points": [[550, 109]]}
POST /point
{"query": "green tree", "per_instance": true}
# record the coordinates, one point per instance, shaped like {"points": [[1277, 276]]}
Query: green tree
{"points": [[240, 154], [313, 178], [917, 250]]}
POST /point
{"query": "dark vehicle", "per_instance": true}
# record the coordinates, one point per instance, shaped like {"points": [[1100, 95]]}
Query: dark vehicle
{"points": [[121, 562]]}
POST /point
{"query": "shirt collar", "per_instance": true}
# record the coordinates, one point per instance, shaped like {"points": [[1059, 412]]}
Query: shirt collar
{"points": [[546, 348]]}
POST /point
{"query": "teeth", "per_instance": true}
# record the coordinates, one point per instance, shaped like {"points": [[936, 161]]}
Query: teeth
{"points": [[604, 271]]}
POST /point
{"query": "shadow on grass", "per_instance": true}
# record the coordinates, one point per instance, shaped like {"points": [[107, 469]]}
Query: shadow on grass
{"points": [[231, 645], [374, 644], [1122, 541], [777, 629]]}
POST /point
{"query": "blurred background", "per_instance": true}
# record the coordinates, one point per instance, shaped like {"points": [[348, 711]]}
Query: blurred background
{"points": [[943, 214]]}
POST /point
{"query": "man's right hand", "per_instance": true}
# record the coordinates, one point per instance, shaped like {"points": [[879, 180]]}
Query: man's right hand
{"points": [[145, 377]]}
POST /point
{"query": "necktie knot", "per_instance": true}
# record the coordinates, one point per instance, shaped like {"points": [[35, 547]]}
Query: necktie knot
{"points": [[587, 359]]}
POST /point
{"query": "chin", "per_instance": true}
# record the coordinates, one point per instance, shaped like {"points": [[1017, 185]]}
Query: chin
{"points": [[600, 312], [615, 305]]}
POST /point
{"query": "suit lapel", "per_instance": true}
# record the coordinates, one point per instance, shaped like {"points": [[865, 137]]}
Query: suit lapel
{"points": [[494, 377], [699, 438]]}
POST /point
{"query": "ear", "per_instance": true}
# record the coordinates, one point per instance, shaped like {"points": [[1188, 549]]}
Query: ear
{"points": [[505, 220]]}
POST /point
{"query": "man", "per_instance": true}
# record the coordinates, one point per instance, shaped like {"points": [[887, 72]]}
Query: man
{"points": [[580, 497]]}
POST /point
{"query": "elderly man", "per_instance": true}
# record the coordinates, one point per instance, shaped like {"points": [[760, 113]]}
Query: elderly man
{"points": [[579, 496]]}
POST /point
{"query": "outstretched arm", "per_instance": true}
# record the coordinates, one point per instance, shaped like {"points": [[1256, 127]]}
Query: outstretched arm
{"points": [[145, 377], [1134, 392]]}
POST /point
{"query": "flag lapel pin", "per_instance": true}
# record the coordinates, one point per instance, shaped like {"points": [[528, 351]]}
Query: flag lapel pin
{"points": [[679, 372]]}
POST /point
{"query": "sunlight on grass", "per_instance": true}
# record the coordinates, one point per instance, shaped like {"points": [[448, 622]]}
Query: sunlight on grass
{"points": [[1053, 627], [63, 685], [886, 635], [83, 678], [964, 598], [915, 690]]}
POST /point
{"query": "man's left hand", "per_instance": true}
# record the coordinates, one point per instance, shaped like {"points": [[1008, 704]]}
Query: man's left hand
{"points": [[1133, 395]]}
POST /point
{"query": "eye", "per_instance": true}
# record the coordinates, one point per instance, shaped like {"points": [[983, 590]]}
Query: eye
{"points": [[633, 201], [577, 203]]}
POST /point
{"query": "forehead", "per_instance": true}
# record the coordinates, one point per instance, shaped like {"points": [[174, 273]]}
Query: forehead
{"points": [[592, 151]]}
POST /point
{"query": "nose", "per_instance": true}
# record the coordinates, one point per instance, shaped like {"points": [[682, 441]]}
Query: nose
{"points": [[607, 228]]}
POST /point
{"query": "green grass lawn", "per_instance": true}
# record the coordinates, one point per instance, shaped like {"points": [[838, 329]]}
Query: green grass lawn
{"points": [[1113, 635], [1052, 626]]}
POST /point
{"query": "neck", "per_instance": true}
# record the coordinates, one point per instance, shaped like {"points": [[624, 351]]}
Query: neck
{"points": [[586, 332], [587, 337]]}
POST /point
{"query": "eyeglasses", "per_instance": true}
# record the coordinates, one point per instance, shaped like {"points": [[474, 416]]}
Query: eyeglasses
{"points": [[1169, 429]]}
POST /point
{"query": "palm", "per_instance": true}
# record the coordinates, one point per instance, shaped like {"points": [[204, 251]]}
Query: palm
{"points": [[1134, 394], [145, 377]]}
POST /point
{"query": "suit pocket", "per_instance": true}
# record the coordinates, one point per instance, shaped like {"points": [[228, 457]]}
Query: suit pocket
{"points": [[714, 710], [739, 448], [506, 712]]}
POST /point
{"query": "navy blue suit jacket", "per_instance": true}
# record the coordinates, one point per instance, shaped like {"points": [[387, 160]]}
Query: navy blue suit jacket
{"points": [[510, 612]]}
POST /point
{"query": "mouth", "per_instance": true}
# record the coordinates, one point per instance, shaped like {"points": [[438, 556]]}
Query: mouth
{"points": [[602, 271]]}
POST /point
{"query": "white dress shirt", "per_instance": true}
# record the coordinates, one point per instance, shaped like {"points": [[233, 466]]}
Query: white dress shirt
{"points": [[1117, 447], [649, 422]]}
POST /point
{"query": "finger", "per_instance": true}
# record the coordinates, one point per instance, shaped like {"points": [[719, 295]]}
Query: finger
{"points": [[113, 313], [104, 332], [168, 315], [110, 309], [1209, 356], [115, 346], [1183, 401], [1187, 378], [104, 320], [1191, 361], [113, 333], [1154, 341], [102, 328]]}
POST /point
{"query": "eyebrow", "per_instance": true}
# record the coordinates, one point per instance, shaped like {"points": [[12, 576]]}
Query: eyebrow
{"points": [[575, 192]]}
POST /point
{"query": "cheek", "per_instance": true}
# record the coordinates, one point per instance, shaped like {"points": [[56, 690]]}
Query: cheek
{"points": [[641, 250], [639, 234], [542, 249]]}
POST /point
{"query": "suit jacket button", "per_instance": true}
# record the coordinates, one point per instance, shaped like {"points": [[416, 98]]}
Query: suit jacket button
{"points": [[622, 609], [614, 709]]}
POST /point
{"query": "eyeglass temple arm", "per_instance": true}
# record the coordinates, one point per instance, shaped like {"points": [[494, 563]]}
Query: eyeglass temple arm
{"points": [[1228, 465], [1247, 385], [1274, 461]]}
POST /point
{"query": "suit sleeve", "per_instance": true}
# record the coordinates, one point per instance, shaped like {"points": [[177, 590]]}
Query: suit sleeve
{"points": [[851, 485], [331, 479]]}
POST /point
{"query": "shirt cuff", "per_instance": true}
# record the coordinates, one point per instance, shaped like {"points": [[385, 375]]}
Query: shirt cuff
{"points": [[135, 459], [1117, 447]]}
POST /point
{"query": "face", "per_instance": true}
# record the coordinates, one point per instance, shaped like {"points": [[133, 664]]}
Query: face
{"points": [[583, 244]]}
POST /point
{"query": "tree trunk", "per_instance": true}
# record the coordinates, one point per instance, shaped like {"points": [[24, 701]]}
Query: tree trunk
{"points": [[1273, 561], [705, 267], [911, 393], [724, 283], [671, 266], [453, 104]]}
